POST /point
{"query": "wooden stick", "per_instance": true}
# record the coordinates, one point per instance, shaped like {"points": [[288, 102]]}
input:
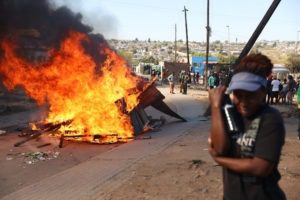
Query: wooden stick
{"points": [[61, 141], [31, 137]]}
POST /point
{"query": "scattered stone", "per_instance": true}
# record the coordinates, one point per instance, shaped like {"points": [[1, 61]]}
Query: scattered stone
{"points": [[9, 158], [204, 190], [33, 157], [203, 118], [2, 132], [197, 162], [293, 174], [147, 137]]}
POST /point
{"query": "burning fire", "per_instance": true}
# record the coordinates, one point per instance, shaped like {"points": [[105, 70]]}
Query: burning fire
{"points": [[75, 91]]}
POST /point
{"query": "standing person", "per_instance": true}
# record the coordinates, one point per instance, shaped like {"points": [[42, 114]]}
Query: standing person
{"points": [[181, 76], [275, 89], [211, 81], [153, 75], [190, 76], [298, 100], [185, 81], [217, 79], [197, 77], [269, 89], [193, 75], [291, 89], [283, 91], [171, 82], [251, 156]]}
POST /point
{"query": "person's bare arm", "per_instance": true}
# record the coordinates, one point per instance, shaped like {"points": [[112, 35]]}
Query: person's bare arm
{"points": [[253, 166], [219, 138]]}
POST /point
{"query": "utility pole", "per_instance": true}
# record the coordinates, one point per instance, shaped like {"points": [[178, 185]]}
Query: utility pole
{"points": [[187, 38], [175, 43], [296, 49], [207, 45]]}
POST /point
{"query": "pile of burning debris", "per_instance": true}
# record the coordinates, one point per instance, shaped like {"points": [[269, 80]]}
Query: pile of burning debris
{"points": [[141, 122], [91, 92]]}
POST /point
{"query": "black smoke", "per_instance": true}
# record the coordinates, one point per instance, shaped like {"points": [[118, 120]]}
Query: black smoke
{"points": [[47, 25]]}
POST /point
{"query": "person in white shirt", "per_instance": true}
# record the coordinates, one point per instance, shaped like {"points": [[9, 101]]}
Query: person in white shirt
{"points": [[275, 89]]}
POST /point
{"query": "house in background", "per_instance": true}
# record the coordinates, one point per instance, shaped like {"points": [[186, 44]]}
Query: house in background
{"points": [[175, 67], [280, 71], [198, 63]]}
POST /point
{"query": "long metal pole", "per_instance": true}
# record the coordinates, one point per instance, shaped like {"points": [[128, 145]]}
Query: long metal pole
{"points": [[187, 37], [207, 45], [254, 36], [258, 30]]}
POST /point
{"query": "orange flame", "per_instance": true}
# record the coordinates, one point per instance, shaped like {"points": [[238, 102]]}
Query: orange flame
{"points": [[70, 85]]}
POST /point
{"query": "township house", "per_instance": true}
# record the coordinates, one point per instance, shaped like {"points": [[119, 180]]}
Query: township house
{"points": [[198, 64]]}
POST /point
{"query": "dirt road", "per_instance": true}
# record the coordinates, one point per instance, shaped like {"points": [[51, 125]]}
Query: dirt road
{"points": [[174, 164]]}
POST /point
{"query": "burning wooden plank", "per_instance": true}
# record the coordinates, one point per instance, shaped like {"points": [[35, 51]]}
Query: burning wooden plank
{"points": [[35, 134], [42, 128], [152, 96], [48, 127]]}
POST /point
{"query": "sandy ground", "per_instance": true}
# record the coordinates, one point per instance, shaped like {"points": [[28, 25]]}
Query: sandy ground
{"points": [[185, 171], [182, 170]]}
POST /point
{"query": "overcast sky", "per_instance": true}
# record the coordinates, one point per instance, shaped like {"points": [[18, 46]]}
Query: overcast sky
{"points": [[155, 19]]}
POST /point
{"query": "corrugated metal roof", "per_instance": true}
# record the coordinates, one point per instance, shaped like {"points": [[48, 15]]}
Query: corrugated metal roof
{"points": [[280, 68]]}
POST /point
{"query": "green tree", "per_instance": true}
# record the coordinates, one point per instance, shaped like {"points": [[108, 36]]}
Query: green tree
{"points": [[126, 55], [293, 63], [255, 50], [150, 59], [134, 51], [226, 59], [232, 58], [222, 58], [182, 49], [216, 46], [201, 54]]}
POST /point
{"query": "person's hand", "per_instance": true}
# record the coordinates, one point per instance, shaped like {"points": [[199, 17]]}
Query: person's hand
{"points": [[211, 150], [216, 96], [209, 141]]}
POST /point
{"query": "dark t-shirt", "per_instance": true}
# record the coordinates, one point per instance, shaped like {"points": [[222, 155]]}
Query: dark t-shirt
{"points": [[292, 85], [265, 144], [269, 86]]}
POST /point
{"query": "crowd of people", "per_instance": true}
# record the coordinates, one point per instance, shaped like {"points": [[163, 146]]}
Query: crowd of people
{"points": [[281, 92], [183, 78]]}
